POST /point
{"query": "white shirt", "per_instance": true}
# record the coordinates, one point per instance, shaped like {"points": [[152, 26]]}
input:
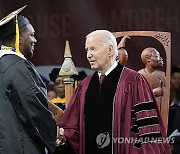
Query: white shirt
{"points": [[110, 69]]}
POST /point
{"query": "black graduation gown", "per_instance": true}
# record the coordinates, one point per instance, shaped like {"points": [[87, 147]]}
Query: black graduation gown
{"points": [[26, 124]]}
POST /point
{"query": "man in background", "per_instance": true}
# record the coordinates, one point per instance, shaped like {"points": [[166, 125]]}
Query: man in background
{"points": [[59, 88], [174, 109]]}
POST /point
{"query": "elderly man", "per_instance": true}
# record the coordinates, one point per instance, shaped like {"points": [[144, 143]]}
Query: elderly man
{"points": [[113, 110]]}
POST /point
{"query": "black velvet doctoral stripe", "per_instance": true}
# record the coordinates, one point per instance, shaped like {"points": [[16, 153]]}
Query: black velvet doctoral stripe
{"points": [[145, 106], [147, 121], [137, 144], [145, 138], [98, 110], [133, 115], [134, 129]]}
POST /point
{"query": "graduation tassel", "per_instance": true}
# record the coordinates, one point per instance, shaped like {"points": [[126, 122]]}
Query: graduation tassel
{"points": [[17, 38]]}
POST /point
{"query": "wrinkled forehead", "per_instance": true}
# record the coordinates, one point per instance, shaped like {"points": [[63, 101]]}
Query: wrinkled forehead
{"points": [[94, 40]]}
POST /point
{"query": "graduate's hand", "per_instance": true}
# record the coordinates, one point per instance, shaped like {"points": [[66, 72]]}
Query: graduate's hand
{"points": [[61, 139]]}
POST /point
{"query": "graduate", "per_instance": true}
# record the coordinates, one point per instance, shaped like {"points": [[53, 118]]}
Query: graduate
{"points": [[26, 124]]}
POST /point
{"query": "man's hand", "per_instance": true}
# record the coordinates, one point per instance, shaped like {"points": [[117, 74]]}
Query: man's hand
{"points": [[61, 139]]}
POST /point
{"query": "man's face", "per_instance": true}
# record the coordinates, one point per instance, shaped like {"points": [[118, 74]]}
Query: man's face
{"points": [[98, 53], [175, 80], [59, 87], [27, 41], [51, 94], [155, 59]]}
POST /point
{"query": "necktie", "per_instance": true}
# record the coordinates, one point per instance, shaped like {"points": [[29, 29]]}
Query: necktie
{"points": [[101, 78]]}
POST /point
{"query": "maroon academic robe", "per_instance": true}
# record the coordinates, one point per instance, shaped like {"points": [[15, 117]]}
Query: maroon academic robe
{"points": [[132, 95]]}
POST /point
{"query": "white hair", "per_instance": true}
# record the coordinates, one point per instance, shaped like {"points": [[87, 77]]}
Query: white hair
{"points": [[108, 37]]}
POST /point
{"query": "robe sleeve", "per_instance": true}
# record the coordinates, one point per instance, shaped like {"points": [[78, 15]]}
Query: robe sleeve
{"points": [[70, 122], [28, 97], [152, 137]]}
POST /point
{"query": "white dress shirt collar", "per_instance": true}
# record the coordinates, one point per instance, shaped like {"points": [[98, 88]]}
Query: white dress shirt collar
{"points": [[110, 69]]}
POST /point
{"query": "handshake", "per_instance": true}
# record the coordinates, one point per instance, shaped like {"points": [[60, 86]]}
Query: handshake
{"points": [[61, 139]]}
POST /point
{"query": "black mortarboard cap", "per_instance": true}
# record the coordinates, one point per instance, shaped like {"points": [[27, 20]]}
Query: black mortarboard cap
{"points": [[54, 74], [81, 75], [8, 24]]}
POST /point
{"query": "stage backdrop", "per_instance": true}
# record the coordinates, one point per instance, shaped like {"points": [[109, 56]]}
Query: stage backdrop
{"points": [[56, 21]]}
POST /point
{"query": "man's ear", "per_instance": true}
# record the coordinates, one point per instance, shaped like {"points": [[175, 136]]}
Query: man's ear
{"points": [[111, 50], [20, 39]]}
